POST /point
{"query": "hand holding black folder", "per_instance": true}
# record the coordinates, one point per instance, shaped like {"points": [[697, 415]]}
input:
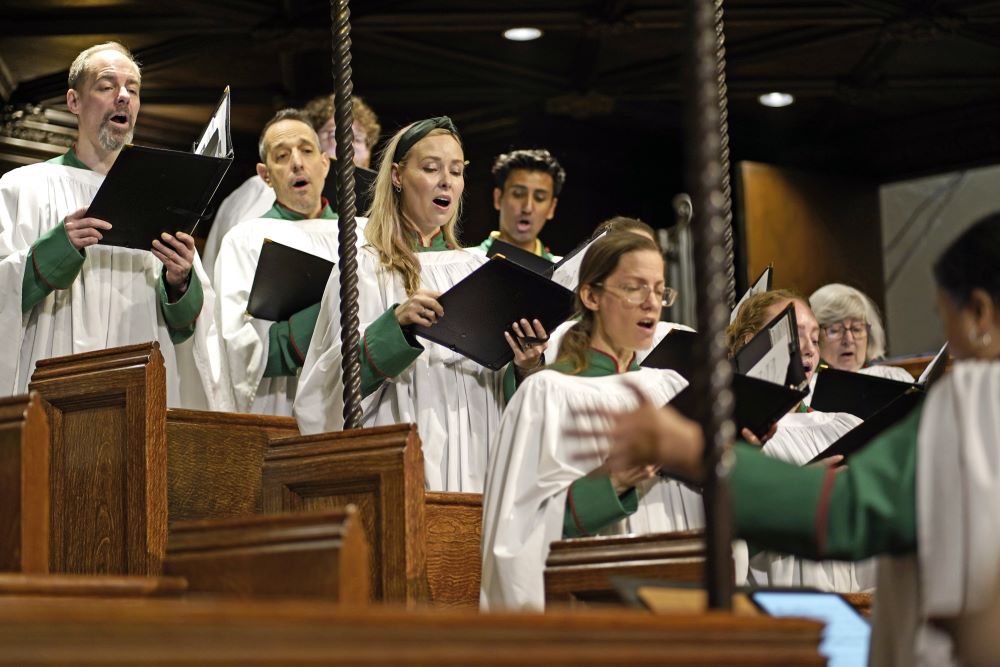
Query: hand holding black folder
{"points": [[152, 191], [759, 403], [485, 303]]}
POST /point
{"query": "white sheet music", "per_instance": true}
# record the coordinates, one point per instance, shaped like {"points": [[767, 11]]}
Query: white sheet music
{"points": [[757, 288], [215, 140], [567, 271], [773, 366], [938, 359]]}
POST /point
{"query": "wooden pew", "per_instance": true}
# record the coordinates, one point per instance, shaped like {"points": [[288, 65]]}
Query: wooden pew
{"points": [[425, 546], [304, 555], [214, 462], [107, 472], [202, 631], [89, 586], [24, 485], [580, 569]]}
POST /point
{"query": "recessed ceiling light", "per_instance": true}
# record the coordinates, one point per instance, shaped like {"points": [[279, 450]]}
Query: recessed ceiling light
{"points": [[776, 99], [522, 34]]}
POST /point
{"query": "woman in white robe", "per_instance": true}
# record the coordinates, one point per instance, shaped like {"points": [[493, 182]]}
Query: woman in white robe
{"points": [[412, 257], [851, 334], [923, 495], [543, 485]]}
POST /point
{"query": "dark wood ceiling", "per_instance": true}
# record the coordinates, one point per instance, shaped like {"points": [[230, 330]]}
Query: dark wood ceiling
{"points": [[884, 88]]}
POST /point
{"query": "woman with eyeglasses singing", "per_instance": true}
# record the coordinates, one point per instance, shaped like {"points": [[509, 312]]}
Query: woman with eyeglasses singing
{"points": [[542, 486], [851, 336]]}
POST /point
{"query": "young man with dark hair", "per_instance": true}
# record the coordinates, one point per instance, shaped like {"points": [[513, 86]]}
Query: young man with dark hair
{"points": [[527, 187]]}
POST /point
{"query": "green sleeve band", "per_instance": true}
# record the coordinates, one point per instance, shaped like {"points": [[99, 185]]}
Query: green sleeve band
{"points": [[386, 351], [872, 506], [592, 504], [865, 510], [182, 314], [53, 263], [774, 503], [510, 383], [288, 342]]}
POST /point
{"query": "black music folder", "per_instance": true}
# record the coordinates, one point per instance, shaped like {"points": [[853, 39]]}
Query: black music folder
{"points": [[857, 393], [149, 191], [487, 302], [364, 188], [674, 352], [759, 355], [758, 403], [528, 260], [862, 434], [287, 280]]}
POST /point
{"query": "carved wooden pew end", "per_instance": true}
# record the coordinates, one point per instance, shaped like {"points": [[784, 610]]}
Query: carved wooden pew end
{"points": [[310, 554]]}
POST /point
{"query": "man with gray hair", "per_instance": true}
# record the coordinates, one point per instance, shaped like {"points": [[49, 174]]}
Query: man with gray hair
{"points": [[61, 290], [264, 356]]}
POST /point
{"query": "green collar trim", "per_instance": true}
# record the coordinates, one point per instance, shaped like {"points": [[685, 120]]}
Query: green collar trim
{"points": [[438, 242], [69, 159], [539, 250], [281, 212]]}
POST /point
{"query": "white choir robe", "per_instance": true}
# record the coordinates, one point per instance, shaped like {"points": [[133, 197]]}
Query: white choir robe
{"points": [[662, 329], [252, 199], [888, 372], [244, 338], [112, 302], [956, 570], [533, 463], [454, 402], [800, 437]]}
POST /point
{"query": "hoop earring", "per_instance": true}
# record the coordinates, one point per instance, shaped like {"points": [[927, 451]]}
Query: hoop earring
{"points": [[398, 189]]}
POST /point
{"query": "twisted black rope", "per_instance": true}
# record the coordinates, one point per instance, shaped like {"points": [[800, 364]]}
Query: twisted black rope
{"points": [[343, 114], [727, 190], [712, 384]]}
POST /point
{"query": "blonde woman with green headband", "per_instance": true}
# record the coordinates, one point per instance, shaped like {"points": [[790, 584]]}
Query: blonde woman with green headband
{"points": [[411, 257]]}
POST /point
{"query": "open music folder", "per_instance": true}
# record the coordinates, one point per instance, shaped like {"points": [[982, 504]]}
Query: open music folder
{"points": [[286, 281], [528, 260], [487, 302], [761, 285], [873, 426], [864, 395], [759, 402], [149, 191]]}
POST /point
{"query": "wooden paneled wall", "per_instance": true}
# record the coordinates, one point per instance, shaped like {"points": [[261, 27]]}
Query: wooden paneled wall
{"points": [[815, 228]]}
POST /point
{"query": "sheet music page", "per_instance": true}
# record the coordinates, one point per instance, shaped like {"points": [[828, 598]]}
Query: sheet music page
{"points": [[773, 366], [931, 367], [567, 272], [757, 288], [215, 140]]}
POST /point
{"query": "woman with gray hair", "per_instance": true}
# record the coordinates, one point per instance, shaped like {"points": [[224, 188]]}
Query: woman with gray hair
{"points": [[851, 334]]}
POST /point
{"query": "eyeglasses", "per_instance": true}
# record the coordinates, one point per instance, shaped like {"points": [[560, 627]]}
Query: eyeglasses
{"points": [[838, 330], [636, 295]]}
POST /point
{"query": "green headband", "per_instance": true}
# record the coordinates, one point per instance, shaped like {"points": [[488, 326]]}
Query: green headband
{"points": [[418, 131]]}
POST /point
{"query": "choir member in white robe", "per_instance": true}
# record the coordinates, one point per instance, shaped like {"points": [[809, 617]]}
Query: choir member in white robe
{"points": [[63, 292], [923, 494], [253, 198], [852, 337], [412, 256], [799, 436], [544, 485], [264, 356]]}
